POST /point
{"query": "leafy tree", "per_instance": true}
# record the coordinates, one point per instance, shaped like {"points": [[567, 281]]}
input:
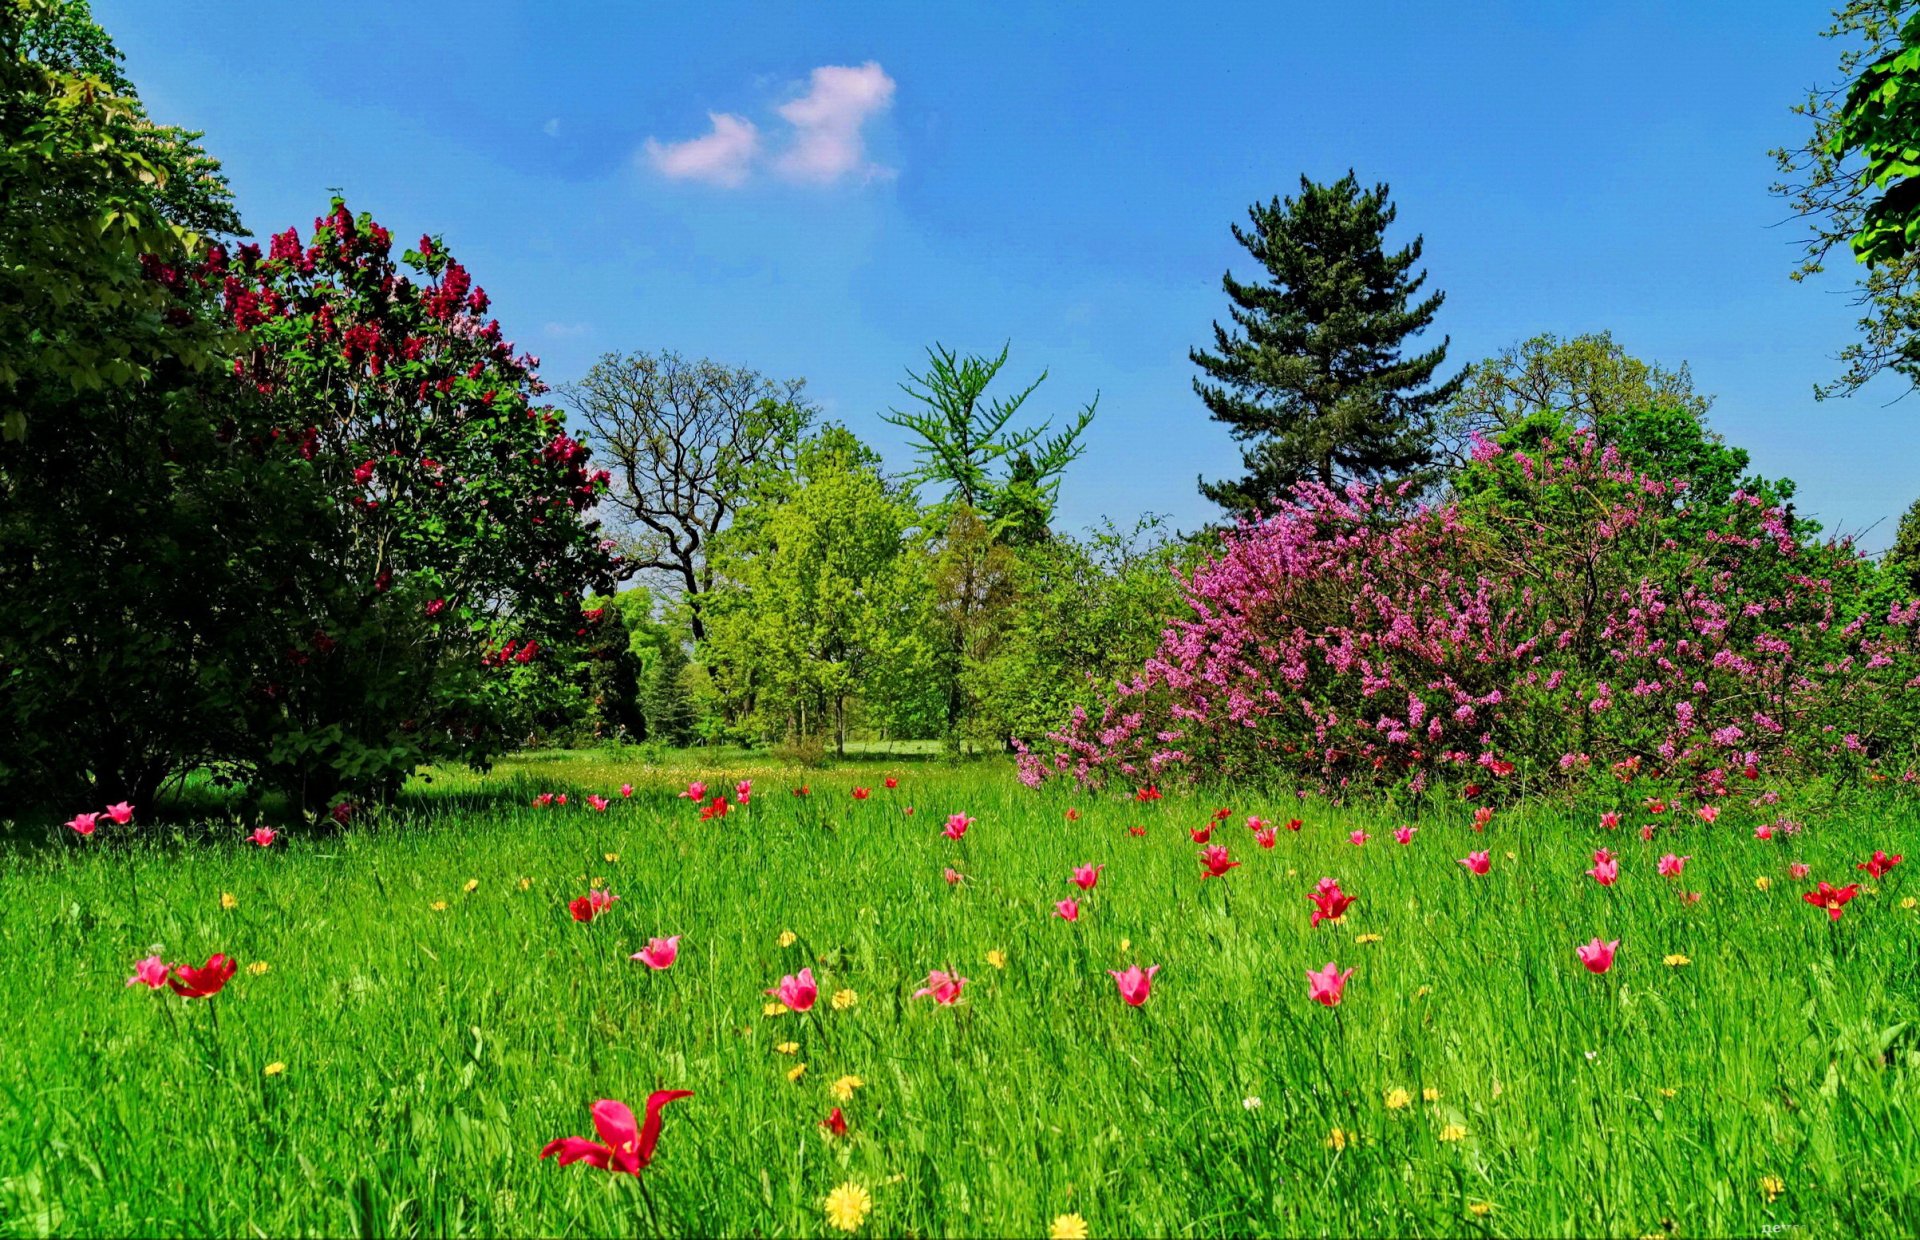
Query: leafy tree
{"points": [[611, 673], [966, 443], [685, 439], [1588, 380], [664, 698], [820, 597], [1312, 377], [1855, 180], [1901, 564]]}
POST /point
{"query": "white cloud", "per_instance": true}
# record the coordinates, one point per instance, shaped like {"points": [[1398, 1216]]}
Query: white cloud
{"points": [[568, 329], [827, 121], [551, 128], [722, 156]]}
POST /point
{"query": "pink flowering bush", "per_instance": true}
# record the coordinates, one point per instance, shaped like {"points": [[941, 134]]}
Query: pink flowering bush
{"points": [[1562, 616]]}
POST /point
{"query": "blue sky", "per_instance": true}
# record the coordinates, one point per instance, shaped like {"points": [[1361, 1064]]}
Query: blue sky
{"points": [[1062, 177]]}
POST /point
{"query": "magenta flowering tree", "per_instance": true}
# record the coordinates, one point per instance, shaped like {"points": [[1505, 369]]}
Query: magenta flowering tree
{"points": [[450, 541], [1565, 614]]}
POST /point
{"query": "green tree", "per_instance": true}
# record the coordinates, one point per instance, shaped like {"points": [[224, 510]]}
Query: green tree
{"points": [[1855, 180], [1901, 564], [611, 673], [1312, 375], [1587, 380], [966, 443], [664, 699]]}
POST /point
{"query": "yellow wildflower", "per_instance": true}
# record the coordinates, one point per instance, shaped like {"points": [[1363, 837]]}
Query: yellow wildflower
{"points": [[1667, 1093], [473, 885], [1677, 961], [1772, 1186], [1068, 1227], [1397, 1098], [227, 901], [843, 1088], [1910, 902], [788, 938], [612, 858], [1340, 1138], [1453, 1132], [1423, 992], [848, 1207], [773, 1009], [525, 883], [1481, 1209], [1430, 1094], [844, 999], [439, 906], [997, 958], [1364, 939], [786, 1048], [796, 1072], [1763, 882], [275, 1068], [1126, 945], [1513, 856], [257, 968]]}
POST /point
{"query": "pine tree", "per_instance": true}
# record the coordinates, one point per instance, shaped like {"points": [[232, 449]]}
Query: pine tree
{"points": [[664, 700], [1312, 378]]}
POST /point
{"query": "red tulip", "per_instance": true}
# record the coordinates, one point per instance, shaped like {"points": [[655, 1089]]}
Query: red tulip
{"points": [[861, 794], [1832, 898], [1201, 834], [1763, 832], [953, 876], [696, 791], [620, 1148], [1646, 832], [1325, 987], [1136, 830], [264, 836], [1084, 877], [1879, 864], [591, 905], [835, 1123], [1329, 902], [1073, 815], [1609, 820], [626, 790], [1481, 817], [1597, 956], [1478, 862], [1148, 793], [1293, 824], [203, 982], [598, 802], [802, 790], [891, 782], [957, 825], [1222, 814], [717, 808], [1799, 869], [1264, 837], [797, 991], [1136, 985], [1214, 860]]}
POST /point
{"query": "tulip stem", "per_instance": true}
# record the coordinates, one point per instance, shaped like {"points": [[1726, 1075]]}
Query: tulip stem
{"points": [[647, 1197]]}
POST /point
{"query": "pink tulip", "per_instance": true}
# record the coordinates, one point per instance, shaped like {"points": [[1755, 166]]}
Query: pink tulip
{"points": [[696, 791], [85, 824], [621, 1148], [151, 973], [264, 836], [626, 790], [1067, 910], [1708, 813], [797, 992], [1602, 855], [743, 791], [1256, 824], [1214, 860], [1478, 862], [586, 908], [205, 981], [1135, 984], [953, 876], [1799, 869], [1265, 837], [1358, 838], [1084, 877], [1606, 873], [1646, 832], [1672, 866], [1609, 820], [943, 988], [1325, 986], [1404, 835], [1597, 956], [659, 953], [598, 802], [957, 826], [122, 814], [1763, 832]]}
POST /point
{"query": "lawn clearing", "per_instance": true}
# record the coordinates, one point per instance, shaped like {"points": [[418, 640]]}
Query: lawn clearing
{"points": [[416, 1014]]}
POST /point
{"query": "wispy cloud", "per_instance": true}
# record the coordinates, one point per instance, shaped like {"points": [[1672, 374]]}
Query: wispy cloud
{"points": [[824, 141], [722, 156], [566, 330], [828, 123]]}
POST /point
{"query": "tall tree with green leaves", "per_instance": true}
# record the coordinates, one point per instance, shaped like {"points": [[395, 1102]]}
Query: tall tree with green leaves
{"points": [[1312, 375], [1855, 180]]}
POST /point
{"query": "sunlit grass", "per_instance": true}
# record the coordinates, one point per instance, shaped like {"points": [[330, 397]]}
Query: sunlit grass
{"points": [[440, 1017]]}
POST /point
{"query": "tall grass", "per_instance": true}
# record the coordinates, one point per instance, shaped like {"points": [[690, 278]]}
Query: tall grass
{"points": [[434, 1038]]}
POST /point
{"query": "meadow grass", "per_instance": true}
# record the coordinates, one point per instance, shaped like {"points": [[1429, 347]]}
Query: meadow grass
{"points": [[435, 1037]]}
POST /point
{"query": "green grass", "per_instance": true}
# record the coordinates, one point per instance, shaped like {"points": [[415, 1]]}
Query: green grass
{"points": [[431, 1053]]}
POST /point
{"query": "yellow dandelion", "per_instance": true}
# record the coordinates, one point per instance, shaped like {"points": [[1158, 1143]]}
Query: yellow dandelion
{"points": [[796, 1072], [473, 885], [597, 882], [1398, 1098], [612, 858], [227, 901], [275, 1068], [787, 1048], [1677, 961], [773, 1009], [1126, 945], [1763, 882], [848, 1207], [439, 906], [1481, 1209], [1910, 902], [1340, 1138], [1668, 1093], [997, 958], [788, 938], [1364, 939], [525, 883], [258, 968], [1772, 1186], [1429, 1094], [1423, 992], [1068, 1227], [843, 1088], [844, 999], [1513, 856], [1453, 1132]]}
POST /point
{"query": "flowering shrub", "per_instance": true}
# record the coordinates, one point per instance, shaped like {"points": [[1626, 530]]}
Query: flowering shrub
{"points": [[1564, 615]]}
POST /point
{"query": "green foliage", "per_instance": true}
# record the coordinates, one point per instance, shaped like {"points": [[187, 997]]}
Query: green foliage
{"points": [[1311, 376], [664, 699], [1009, 476], [612, 674], [1902, 561], [1852, 182]]}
